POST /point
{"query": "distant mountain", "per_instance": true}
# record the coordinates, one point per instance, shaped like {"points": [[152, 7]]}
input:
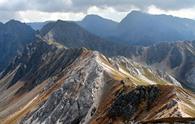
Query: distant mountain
{"points": [[37, 25], [139, 28], [142, 28], [98, 25], [178, 59], [71, 35], [14, 35]]}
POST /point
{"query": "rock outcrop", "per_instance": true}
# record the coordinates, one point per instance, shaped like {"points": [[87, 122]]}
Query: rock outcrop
{"points": [[127, 104]]}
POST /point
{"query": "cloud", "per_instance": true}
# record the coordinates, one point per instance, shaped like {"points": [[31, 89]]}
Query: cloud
{"points": [[38, 5], [108, 12], [183, 13], [124, 5], [37, 16], [40, 10], [7, 15], [84, 5]]}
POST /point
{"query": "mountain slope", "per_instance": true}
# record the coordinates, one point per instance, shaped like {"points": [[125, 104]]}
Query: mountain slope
{"points": [[175, 58], [99, 26], [135, 106], [178, 59], [71, 35], [139, 28], [14, 35], [32, 73], [59, 85], [145, 29]]}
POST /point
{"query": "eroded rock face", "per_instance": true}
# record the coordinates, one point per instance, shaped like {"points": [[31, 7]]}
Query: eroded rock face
{"points": [[127, 104], [130, 66], [75, 99], [191, 78], [38, 62]]}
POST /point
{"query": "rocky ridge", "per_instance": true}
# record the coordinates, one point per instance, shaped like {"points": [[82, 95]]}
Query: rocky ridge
{"points": [[177, 59], [83, 86]]}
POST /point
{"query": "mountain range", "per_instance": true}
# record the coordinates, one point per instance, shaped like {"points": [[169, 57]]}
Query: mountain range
{"points": [[99, 26], [177, 58], [98, 71], [138, 28], [48, 84]]}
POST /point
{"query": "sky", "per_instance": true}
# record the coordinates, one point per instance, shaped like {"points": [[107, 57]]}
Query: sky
{"points": [[44, 10]]}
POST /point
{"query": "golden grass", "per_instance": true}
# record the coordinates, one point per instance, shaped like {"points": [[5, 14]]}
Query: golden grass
{"points": [[153, 77], [158, 111], [32, 105]]}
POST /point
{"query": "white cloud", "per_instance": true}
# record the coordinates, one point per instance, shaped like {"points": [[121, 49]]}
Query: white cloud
{"points": [[2, 2], [125, 5], [107, 12], [154, 10], [37, 16], [183, 13], [7, 15], [41, 10]]}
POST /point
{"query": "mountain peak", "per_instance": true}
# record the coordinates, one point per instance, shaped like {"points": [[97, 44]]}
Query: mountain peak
{"points": [[69, 34], [97, 18], [92, 17], [17, 35], [65, 23], [136, 13], [59, 25], [61, 21], [98, 25], [13, 21]]}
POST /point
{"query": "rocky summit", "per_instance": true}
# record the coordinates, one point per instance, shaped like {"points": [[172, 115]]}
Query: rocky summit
{"points": [[48, 84]]}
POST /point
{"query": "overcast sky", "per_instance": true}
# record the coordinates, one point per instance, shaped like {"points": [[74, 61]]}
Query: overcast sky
{"points": [[42, 10]]}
